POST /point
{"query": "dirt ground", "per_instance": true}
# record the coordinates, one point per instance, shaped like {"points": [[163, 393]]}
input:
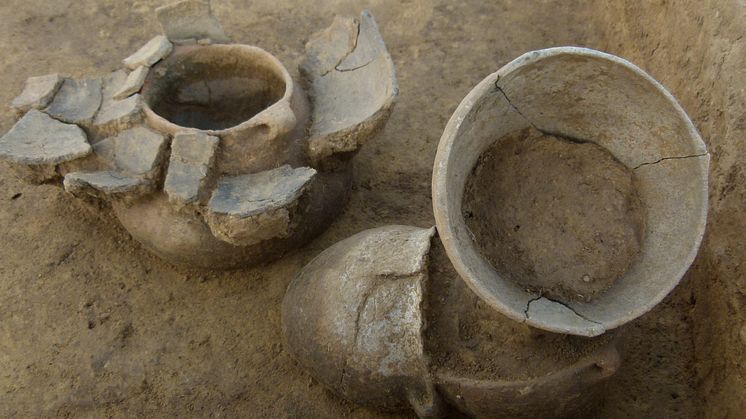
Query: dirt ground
{"points": [[92, 325], [558, 217]]}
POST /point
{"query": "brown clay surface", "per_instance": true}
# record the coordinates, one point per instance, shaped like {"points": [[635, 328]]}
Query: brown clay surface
{"points": [[93, 325], [560, 218]]}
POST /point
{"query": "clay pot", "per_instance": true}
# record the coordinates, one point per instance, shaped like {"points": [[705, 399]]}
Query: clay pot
{"points": [[238, 93], [586, 95], [210, 153], [355, 319], [352, 318], [245, 97]]}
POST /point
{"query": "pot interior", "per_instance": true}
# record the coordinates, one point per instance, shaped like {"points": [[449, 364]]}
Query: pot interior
{"points": [[214, 87]]}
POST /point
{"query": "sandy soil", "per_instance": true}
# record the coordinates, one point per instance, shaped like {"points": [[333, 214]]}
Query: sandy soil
{"points": [[91, 324], [561, 218]]}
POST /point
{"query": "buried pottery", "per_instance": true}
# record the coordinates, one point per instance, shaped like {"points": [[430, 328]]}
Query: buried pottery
{"points": [[369, 318], [585, 97], [209, 152], [390, 320]]}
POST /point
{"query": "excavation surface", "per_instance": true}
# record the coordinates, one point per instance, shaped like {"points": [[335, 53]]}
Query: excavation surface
{"points": [[94, 325]]}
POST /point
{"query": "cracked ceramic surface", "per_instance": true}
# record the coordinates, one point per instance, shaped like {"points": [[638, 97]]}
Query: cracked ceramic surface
{"points": [[355, 319], [247, 163], [589, 96]]}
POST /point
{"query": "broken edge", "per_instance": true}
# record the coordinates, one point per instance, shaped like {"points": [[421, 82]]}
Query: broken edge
{"points": [[352, 82]]}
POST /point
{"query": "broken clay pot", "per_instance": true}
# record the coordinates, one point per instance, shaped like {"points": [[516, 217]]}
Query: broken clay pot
{"points": [[356, 317], [585, 96], [353, 318], [209, 152]]}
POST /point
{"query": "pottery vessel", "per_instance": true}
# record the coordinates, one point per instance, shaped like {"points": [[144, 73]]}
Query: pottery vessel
{"points": [[209, 152], [588, 96], [355, 318]]}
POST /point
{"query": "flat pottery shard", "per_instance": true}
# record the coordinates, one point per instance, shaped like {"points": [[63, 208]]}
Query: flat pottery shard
{"points": [[137, 151], [353, 319], [116, 115], [37, 143], [37, 93], [116, 152], [119, 115], [190, 19], [112, 83], [192, 158], [152, 52], [249, 209], [104, 184], [352, 84], [133, 83], [77, 101], [133, 161]]}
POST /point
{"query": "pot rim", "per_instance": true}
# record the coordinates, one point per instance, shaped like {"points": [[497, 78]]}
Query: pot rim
{"points": [[452, 232], [281, 106]]}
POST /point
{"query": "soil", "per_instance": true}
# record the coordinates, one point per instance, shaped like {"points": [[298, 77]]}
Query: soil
{"points": [[465, 336], [558, 217], [91, 324]]}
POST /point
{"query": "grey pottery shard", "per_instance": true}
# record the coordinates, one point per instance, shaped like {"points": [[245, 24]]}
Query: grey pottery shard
{"points": [[132, 161], [192, 157], [77, 101], [37, 93], [137, 151], [353, 319], [190, 19], [39, 143], [119, 115], [103, 184], [150, 53], [133, 83], [352, 83], [116, 115], [112, 83], [251, 208]]}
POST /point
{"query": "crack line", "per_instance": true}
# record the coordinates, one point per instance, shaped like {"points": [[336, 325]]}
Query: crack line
{"points": [[354, 68], [528, 306], [670, 158], [347, 54], [499, 89], [573, 310]]}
